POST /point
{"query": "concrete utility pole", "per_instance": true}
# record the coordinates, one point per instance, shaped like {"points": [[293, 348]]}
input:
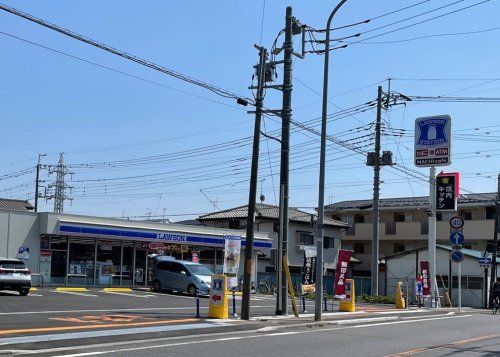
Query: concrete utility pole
{"points": [[376, 194], [37, 181], [252, 196], [322, 166], [286, 115], [495, 240]]}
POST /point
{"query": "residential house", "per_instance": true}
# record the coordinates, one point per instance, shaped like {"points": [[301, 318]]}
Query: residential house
{"points": [[301, 233]]}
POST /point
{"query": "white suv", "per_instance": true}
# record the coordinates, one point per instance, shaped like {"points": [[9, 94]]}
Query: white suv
{"points": [[14, 276]]}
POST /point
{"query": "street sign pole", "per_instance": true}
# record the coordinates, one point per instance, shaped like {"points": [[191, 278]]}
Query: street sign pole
{"points": [[460, 286], [432, 235]]}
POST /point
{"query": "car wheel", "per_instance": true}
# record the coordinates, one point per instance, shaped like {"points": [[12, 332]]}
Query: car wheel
{"points": [[24, 292], [191, 290], [156, 286]]}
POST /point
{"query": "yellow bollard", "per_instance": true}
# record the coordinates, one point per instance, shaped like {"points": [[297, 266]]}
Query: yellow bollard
{"points": [[218, 301], [400, 301], [349, 303]]}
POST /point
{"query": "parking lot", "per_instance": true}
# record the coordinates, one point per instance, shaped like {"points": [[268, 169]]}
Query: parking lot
{"points": [[48, 310]]}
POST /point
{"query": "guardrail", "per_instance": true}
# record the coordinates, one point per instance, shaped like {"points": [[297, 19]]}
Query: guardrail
{"points": [[66, 278], [40, 276], [119, 276]]}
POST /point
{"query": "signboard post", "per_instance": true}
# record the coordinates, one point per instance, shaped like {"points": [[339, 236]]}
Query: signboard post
{"points": [[433, 141], [447, 191], [432, 148], [217, 302], [457, 239]]}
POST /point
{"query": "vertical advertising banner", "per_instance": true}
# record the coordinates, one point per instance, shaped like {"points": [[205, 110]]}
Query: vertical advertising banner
{"points": [[343, 259], [309, 271], [447, 191], [232, 249], [426, 281]]}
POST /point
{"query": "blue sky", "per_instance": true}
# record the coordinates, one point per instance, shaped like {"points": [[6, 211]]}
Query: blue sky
{"points": [[148, 145]]}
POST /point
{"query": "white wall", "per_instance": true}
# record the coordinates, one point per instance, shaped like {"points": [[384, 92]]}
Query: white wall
{"points": [[20, 229]]}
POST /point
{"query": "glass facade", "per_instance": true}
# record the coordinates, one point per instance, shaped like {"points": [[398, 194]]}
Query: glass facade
{"points": [[105, 262]]}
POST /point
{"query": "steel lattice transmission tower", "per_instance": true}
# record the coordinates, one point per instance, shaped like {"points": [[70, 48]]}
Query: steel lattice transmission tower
{"points": [[59, 187]]}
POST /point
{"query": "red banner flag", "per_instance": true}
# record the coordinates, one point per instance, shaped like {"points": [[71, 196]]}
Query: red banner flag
{"points": [[343, 259], [426, 281]]}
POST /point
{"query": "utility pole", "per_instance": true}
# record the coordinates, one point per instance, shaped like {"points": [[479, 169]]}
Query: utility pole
{"points": [[37, 181], [252, 196], [286, 115], [495, 241], [376, 160], [376, 194]]}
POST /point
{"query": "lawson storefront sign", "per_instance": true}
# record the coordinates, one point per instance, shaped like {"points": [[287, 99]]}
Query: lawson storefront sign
{"points": [[122, 233]]}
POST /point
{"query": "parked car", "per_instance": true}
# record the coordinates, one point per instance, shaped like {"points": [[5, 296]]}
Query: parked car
{"points": [[14, 276], [181, 276]]}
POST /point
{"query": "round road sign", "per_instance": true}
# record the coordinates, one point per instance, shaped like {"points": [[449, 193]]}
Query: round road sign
{"points": [[456, 256], [457, 238], [456, 222]]}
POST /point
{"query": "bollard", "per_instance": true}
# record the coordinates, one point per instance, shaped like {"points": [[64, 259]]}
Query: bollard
{"points": [[197, 305], [325, 301], [304, 304], [234, 303]]}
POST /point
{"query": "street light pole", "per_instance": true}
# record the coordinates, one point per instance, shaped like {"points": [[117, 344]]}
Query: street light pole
{"points": [[322, 164]]}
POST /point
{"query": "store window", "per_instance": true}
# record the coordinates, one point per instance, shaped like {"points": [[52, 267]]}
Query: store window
{"points": [[81, 261], [57, 260], [108, 261]]}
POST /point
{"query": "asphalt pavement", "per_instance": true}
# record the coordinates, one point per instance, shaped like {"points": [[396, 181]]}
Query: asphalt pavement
{"points": [[144, 323]]}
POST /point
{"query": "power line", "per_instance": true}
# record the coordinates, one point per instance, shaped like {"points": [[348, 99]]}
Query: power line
{"points": [[424, 37], [413, 24], [217, 90]]}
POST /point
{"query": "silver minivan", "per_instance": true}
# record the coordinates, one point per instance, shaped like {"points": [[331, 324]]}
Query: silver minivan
{"points": [[181, 276]]}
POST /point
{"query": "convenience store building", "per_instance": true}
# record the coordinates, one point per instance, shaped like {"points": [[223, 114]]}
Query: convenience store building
{"points": [[91, 250]]}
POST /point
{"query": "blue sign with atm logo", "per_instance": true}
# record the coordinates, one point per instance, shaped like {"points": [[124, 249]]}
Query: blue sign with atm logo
{"points": [[433, 141]]}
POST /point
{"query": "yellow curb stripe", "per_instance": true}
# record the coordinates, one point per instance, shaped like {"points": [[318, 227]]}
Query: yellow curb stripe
{"points": [[33, 289], [117, 290], [92, 327], [72, 289]]}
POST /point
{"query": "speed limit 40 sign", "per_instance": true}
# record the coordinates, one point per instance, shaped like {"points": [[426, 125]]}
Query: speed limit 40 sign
{"points": [[456, 222]]}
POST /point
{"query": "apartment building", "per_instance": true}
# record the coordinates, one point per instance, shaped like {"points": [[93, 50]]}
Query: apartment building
{"points": [[404, 225]]}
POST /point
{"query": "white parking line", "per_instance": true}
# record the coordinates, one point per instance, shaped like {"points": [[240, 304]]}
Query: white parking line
{"points": [[127, 294], [74, 293]]}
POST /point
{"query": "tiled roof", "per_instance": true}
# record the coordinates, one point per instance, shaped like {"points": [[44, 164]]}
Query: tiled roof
{"points": [[481, 199], [265, 211], [15, 205]]}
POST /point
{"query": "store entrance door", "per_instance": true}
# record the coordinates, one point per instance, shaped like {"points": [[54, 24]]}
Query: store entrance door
{"points": [[140, 267]]}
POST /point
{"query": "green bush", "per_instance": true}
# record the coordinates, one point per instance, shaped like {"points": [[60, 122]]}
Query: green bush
{"points": [[378, 299]]}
